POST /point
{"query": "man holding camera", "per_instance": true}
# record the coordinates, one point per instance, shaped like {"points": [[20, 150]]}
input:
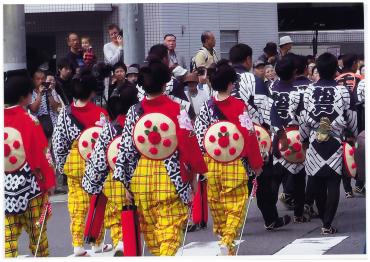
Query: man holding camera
{"points": [[45, 105], [113, 51], [45, 100]]}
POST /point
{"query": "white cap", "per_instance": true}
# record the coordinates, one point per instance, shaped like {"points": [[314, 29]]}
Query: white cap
{"points": [[179, 71], [285, 40]]}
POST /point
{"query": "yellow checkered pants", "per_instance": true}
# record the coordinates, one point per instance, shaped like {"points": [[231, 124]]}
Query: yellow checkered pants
{"points": [[227, 196], [15, 223], [78, 199], [162, 214], [115, 192]]}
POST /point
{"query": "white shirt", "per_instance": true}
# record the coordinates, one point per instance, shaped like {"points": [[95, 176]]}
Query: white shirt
{"points": [[112, 53], [200, 98]]}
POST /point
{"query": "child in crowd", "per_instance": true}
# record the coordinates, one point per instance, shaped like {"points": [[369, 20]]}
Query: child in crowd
{"points": [[88, 53]]}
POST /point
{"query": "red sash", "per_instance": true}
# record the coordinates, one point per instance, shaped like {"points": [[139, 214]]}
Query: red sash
{"points": [[200, 205], [131, 231], [95, 218]]}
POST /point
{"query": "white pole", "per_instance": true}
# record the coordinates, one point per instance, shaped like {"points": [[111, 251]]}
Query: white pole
{"points": [[246, 213]]}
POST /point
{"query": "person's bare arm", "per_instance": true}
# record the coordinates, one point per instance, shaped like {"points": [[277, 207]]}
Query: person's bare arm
{"points": [[35, 106], [54, 105]]}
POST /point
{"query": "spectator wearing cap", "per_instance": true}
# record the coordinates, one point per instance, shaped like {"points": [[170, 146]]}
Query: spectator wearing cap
{"points": [[259, 69], [179, 73], [132, 74], [195, 91], [285, 45], [175, 58], [269, 53]]}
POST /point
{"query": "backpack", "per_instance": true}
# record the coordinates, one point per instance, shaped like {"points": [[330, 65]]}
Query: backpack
{"points": [[192, 60]]}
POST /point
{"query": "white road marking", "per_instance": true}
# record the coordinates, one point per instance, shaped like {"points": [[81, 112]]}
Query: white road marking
{"points": [[310, 246], [58, 198], [201, 249], [92, 254]]}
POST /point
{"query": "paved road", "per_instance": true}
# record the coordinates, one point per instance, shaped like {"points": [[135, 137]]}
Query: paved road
{"points": [[350, 221]]}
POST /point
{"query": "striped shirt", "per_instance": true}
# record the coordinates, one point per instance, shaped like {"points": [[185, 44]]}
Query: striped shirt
{"points": [[326, 99], [43, 110]]}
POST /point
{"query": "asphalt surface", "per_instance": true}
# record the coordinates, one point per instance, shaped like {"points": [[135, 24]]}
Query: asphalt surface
{"points": [[350, 221]]}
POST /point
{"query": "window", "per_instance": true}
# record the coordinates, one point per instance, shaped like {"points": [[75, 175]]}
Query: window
{"points": [[228, 38]]}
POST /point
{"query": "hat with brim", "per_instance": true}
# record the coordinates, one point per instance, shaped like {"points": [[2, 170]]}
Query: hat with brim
{"points": [[87, 140], [285, 40], [179, 71], [132, 70], [112, 152], [258, 63], [295, 152], [14, 153], [155, 136], [349, 159], [223, 142], [263, 137]]}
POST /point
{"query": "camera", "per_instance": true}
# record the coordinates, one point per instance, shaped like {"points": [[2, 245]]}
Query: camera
{"points": [[46, 85], [120, 33], [201, 71]]}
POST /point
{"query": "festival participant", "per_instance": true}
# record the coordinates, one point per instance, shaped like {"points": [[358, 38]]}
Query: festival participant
{"points": [[301, 83], [98, 173], [174, 88], [351, 80], [225, 134], [71, 151], [254, 93], [157, 161], [29, 175], [327, 113], [289, 160]]}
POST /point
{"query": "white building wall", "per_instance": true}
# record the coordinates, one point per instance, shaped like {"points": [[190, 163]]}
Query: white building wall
{"points": [[257, 24]]}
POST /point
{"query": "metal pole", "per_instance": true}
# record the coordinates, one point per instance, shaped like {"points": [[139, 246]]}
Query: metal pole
{"points": [[186, 230], [14, 38], [131, 19], [42, 226], [252, 195]]}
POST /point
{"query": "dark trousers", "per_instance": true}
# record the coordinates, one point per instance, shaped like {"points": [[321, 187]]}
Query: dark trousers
{"points": [[310, 191], [346, 179], [288, 184], [266, 195], [327, 192], [297, 183]]}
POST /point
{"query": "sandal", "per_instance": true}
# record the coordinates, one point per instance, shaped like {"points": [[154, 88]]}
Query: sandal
{"points": [[328, 231], [99, 249], [281, 221]]}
